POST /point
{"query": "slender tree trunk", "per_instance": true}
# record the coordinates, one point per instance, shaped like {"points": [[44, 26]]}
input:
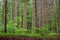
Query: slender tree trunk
{"points": [[58, 15], [5, 15], [25, 11], [15, 11], [34, 15]]}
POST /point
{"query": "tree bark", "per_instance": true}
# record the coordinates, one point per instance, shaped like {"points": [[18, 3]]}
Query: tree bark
{"points": [[5, 15], [25, 11], [15, 11]]}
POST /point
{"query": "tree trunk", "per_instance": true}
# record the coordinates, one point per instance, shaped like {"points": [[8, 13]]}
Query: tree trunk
{"points": [[25, 11], [15, 11], [5, 15]]}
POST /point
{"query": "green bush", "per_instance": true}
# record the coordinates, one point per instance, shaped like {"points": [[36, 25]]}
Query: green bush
{"points": [[1, 28], [11, 27], [20, 30], [45, 31], [19, 20]]}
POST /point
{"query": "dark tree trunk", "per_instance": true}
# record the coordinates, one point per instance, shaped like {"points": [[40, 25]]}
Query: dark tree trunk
{"points": [[5, 11]]}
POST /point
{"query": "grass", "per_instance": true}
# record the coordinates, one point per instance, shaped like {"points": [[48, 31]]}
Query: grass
{"points": [[26, 34], [18, 34]]}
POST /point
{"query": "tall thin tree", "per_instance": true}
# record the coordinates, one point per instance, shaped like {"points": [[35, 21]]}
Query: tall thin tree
{"points": [[5, 15], [15, 11]]}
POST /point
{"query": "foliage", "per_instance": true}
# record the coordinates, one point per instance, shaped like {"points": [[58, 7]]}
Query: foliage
{"points": [[1, 28], [19, 20], [21, 30], [11, 27], [43, 31]]}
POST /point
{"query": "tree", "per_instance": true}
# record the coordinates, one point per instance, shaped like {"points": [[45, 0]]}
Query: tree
{"points": [[24, 5], [15, 11], [5, 15]]}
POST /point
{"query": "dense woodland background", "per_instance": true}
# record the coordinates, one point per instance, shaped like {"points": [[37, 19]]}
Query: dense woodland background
{"points": [[32, 17]]}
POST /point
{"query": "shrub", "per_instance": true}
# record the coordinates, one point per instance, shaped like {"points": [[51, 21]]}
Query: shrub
{"points": [[1, 28], [20, 30], [11, 27], [45, 30]]}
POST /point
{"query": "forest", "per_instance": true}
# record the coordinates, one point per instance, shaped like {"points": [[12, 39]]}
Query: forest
{"points": [[38, 18]]}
